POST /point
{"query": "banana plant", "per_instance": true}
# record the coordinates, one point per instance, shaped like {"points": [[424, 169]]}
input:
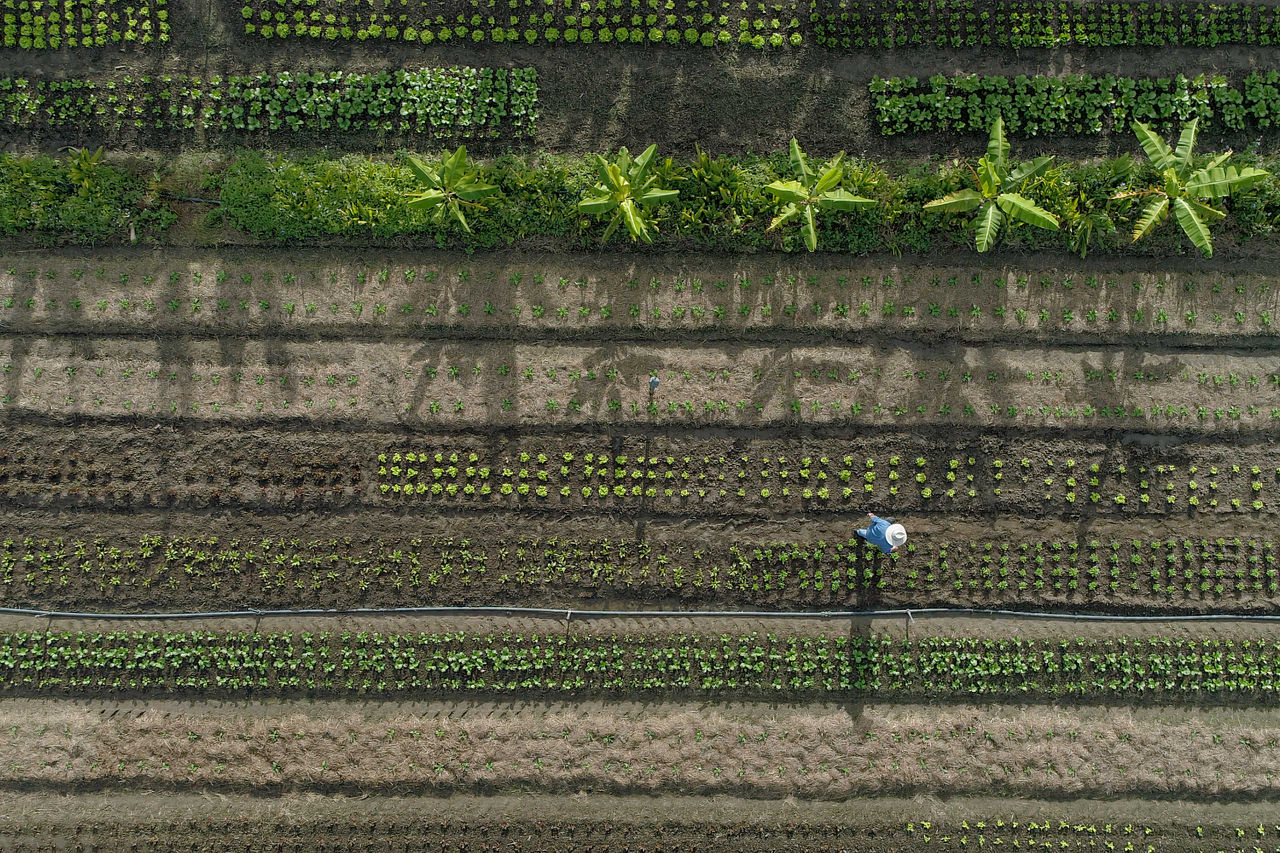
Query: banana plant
{"points": [[818, 189], [449, 189], [1187, 190], [627, 189], [996, 196]]}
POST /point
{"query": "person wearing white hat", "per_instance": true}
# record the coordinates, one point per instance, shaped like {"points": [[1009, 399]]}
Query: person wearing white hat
{"points": [[885, 535]]}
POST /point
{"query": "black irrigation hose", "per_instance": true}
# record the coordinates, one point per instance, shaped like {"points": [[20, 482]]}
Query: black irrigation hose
{"points": [[570, 614]]}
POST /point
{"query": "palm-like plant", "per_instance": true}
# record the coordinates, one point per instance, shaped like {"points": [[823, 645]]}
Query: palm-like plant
{"points": [[627, 189], [996, 196], [1187, 189], [449, 189], [815, 190]]}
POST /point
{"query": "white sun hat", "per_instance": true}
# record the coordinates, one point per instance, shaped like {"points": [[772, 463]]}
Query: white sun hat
{"points": [[896, 534]]}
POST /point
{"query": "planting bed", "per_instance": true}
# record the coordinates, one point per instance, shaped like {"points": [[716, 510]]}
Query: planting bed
{"points": [[318, 532]]}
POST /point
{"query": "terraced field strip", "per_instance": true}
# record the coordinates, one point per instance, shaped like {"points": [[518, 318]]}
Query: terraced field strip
{"points": [[810, 753], [85, 561], [666, 473], [543, 295], [462, 384]]}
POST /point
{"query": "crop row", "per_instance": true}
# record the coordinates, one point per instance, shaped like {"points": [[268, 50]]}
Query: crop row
{"points": [[368, 663], [160, 573], [533, 383], [408, 300], [442, 103], [1073, 104], [722, 204], [804, 752], [533, 477], [41, 24], [269, 470], [840, 25]]}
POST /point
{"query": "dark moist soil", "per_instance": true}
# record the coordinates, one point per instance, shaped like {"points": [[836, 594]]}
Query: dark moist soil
{"points": [[183, 562], [143, 821]]}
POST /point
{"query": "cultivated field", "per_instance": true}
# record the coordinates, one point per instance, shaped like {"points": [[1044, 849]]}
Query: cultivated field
{"points": [[325, 524]]}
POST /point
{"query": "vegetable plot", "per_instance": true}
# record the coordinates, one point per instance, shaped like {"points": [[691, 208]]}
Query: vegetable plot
{"points": [[208, 664], [436, 103]]}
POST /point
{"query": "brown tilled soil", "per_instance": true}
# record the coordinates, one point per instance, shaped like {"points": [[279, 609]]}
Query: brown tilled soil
{"points": [[524, 297], [808, 753]]}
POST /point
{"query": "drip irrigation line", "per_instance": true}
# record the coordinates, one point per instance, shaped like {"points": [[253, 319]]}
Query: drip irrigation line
{"points": [[568, 614]]}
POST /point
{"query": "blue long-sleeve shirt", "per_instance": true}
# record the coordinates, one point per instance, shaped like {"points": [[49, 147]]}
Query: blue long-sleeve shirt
{"points": [[877, 534]]}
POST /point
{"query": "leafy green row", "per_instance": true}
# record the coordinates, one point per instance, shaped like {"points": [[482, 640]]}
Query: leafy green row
{"points": [[1073, 104], [528, 476], [439, 102], [41, 24], [198, 663], [844, 24], [166, 573]]}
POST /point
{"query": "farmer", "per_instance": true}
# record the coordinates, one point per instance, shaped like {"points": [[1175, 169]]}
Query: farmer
{"points": [[886, 536]]}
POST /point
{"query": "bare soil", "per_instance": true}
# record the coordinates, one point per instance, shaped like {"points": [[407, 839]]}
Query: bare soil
{"points": [[806, 753], [588, 822], [530, 297]]}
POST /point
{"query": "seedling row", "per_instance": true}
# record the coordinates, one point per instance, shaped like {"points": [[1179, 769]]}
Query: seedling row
{"points": [[821, 477], [350, 665], [49, 466], [164, 573]]}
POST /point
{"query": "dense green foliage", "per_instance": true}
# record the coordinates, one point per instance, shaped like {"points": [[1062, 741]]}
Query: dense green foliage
{"points": [[441, 103], [722, 204], [1073, 104], [67, 200]]}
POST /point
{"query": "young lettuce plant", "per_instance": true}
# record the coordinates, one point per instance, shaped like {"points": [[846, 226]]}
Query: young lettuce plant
{"points": [[449, 189], [1187, 190], [815, 189], [996, 196], [626, 189]]}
